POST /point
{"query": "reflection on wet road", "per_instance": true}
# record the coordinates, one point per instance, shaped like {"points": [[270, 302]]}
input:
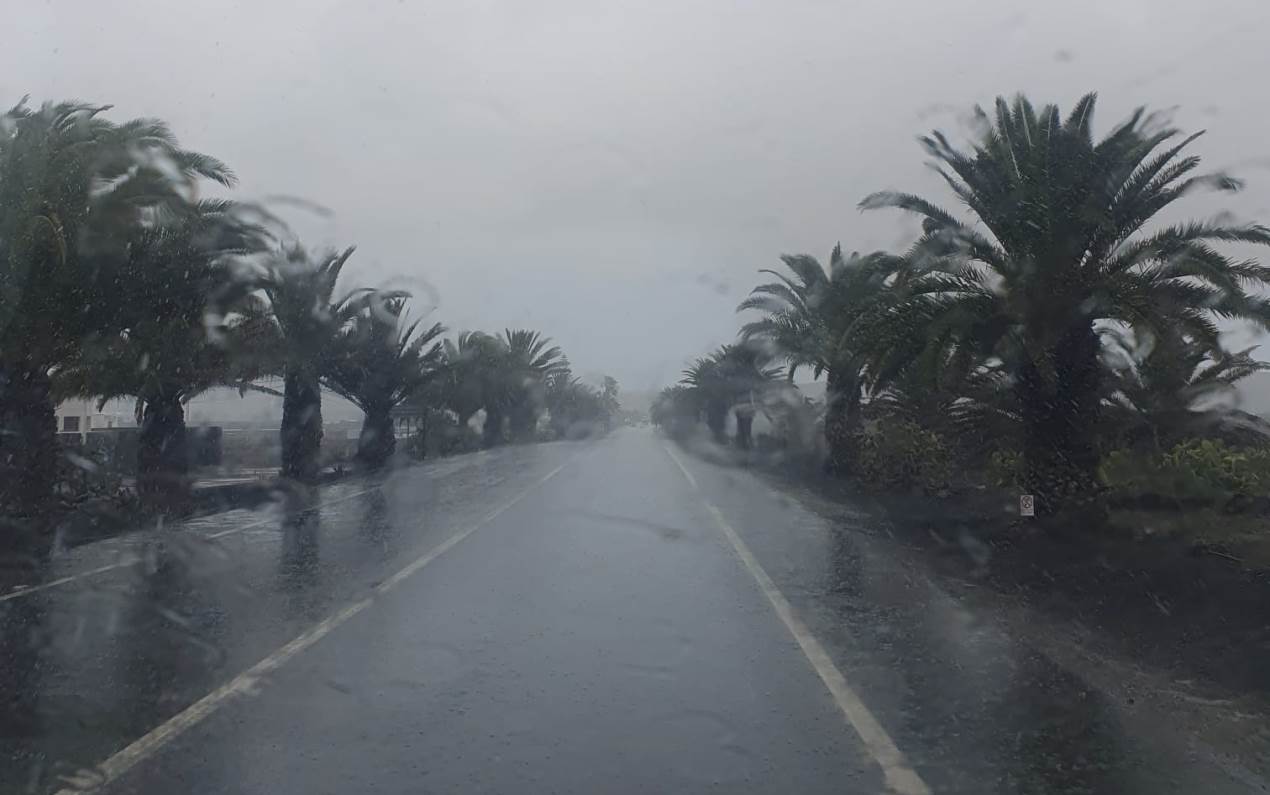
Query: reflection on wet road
{"points": [[589, 628]]}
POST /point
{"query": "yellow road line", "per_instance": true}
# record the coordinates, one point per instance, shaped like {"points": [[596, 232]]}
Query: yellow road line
{"points": [[900, 777], [248, 682]]}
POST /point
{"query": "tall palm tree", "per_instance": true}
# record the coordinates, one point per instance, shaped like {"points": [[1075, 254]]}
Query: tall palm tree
{"points": [[746, 374], [710, 394], [73, 188], [308, 319], [729, 379], [675, 410], [1164, 387], [190, 321], [1057, 245], [379, 362], [576, 409], [529, 359], [806, 319], [469, 382], [608, 394]]}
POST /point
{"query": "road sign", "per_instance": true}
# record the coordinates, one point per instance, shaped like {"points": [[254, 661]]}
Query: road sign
{"points": [[1027, 505]]}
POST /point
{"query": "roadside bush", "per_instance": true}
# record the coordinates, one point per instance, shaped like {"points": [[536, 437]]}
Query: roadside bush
{"points": [[1005, 469], [1196, 469], [902, 454], [83, 477], [1243, 471]]}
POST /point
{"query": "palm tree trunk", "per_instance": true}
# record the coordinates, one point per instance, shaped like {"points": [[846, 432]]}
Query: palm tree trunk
{"points": [[1060, 412], [162, 461], [744, 435], [493, 427], [842, 421], [28, 457], [377, 441], [717, 420], [301, 432], [522, 421], [744, 428]]}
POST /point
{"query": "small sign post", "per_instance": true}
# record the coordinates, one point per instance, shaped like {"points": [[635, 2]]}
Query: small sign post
{"points": [[1027, 505]]}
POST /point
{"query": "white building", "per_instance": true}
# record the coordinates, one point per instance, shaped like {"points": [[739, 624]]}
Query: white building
{"points": [[82, 416]]}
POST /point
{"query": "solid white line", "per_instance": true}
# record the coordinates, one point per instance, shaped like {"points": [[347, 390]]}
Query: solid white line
{"points": [[248, 683], [272, 519], [132, 559], [900, 777], [444, 546], [691, 480], [30, 589]]}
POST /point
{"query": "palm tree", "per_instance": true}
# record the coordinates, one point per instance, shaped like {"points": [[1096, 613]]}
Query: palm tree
{"points": [[529, 359], [379, 361], [73, 188], [710, 394], [1164, 388], [806, 318], [576, 409], [675, 409], [729, 379], [190, 323], [472, 362], [1058, 246], [953, 394], [308, 319], [746, 375], [608, 395]]}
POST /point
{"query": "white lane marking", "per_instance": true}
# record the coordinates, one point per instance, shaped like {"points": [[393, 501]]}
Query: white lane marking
{"points": [[691, 480], [248, 683], [900, 777], [272, 519], [30, 589], [130, 560], [444, 546]]}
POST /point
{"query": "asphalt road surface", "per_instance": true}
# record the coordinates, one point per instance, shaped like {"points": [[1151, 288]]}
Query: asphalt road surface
{"points": [[613, 616]]}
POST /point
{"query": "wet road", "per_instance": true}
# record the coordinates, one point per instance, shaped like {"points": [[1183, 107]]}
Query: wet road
{"points": [[611, 616]]}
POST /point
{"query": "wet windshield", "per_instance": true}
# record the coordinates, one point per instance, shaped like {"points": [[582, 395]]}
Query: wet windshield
{"points": [[631, 398]]}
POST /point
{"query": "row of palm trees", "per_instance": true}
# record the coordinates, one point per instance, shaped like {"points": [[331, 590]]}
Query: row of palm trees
{"points": [[118, 280], [1051, 312]]}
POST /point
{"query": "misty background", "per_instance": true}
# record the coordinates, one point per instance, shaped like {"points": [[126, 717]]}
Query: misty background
{"points": [[616, 174]]}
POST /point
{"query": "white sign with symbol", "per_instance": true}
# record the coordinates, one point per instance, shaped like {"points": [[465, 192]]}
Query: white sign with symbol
{"points": [[1027, 505]]}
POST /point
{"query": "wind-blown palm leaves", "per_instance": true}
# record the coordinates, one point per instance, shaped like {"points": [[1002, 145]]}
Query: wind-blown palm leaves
{"points": [[308, 319], [528, 360], [189, 318], [955, 395], [378, 362], [675, 409], [730, 378], [806, 320], [1164, 387], [1060, 246], [470, 380], [578, 410], [74, 188]]}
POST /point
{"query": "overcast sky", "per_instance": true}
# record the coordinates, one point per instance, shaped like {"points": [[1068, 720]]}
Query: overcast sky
{"points": [[614, 174]]}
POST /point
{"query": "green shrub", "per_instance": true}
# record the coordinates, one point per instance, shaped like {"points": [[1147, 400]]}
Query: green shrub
{"points": [[1238, 471], [902, 454], [1005, 468], [1205, 469]]}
